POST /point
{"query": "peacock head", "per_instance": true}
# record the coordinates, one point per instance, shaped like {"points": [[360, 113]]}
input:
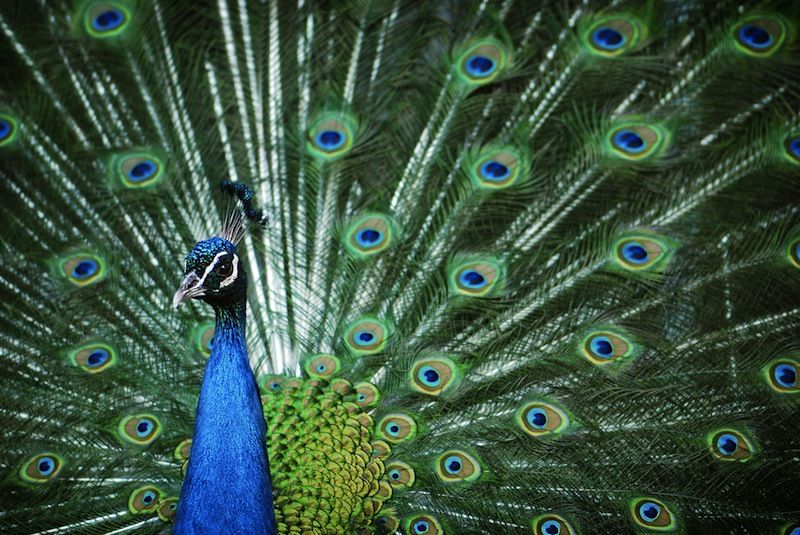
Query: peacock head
{"points": [[214, 274]]}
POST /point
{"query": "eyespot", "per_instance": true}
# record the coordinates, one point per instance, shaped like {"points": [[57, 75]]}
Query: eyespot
{"points": [[272, 383], [642, 252], [476, 277], [167, 509], [41, 468], [396, 428], [614, 36], [331, 136], [606, 346], [93, 357], [138, 170], [551, 525], [653, 514], [366, 395], [539, 418], [636, 141], [82, 269], [456, 465], [322, 365], [400, 475], [793, 251], [369, 235], [203, 336], [387, 523], [106, 19], [482, 62], [8, 129], [759, 36], [139, 429], [422, 524], [433, 375], [730, 445], [792, 149], [366, 335], [183, 450], [497, 167], [782, 375], [144, 500]]}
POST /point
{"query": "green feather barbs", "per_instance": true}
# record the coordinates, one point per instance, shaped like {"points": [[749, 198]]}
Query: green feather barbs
{"points": [[369, 235], [41, 468], [144, 500], [456, 465], [652, 514], [93, 357], [481, 62], [139, 429], [103, 20], [614, 36]]}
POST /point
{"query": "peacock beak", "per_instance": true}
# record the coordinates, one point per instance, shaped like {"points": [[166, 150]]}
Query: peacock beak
{"points": [[189, 288]]}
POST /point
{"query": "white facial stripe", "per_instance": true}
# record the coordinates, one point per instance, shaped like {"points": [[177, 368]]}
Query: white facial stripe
{"points": [[232, 277], [211, 267]]}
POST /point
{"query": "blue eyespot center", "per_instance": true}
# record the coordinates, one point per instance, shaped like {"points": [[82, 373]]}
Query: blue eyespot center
{"points": [[361, 397], [143, 428], [785, 375], [480, 66], [394, 429], [108, 20], [142, 171], [727, 444], [329, 140], [629, 141], [394, 474], [429, 376], [5, 129], [551, 527], [45, 466], [85, 269], [601, 346], [369, 236], [149, 496], [494, 171], [472, 279], [649, 511], [635, 253], [794, 146], [754, 36], [608, 38], [97, 357], [421, 526], [364, 338], [453, 464], [537, 418], [321, 368]]}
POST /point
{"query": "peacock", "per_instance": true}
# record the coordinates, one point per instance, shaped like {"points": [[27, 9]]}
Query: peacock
{"points": [[327, 267]]}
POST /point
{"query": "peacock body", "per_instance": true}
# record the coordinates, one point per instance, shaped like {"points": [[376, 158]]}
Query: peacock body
{"points": [[510, 267]]}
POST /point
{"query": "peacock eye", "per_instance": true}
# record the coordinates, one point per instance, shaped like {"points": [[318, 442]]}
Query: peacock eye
{"points": [[224, 269]]}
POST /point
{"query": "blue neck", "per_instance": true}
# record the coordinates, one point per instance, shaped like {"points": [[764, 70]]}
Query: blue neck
{"points": [[227, 487]]}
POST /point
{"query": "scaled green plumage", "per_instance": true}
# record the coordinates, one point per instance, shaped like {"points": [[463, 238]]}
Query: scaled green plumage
{"points": [[529, 267]]}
